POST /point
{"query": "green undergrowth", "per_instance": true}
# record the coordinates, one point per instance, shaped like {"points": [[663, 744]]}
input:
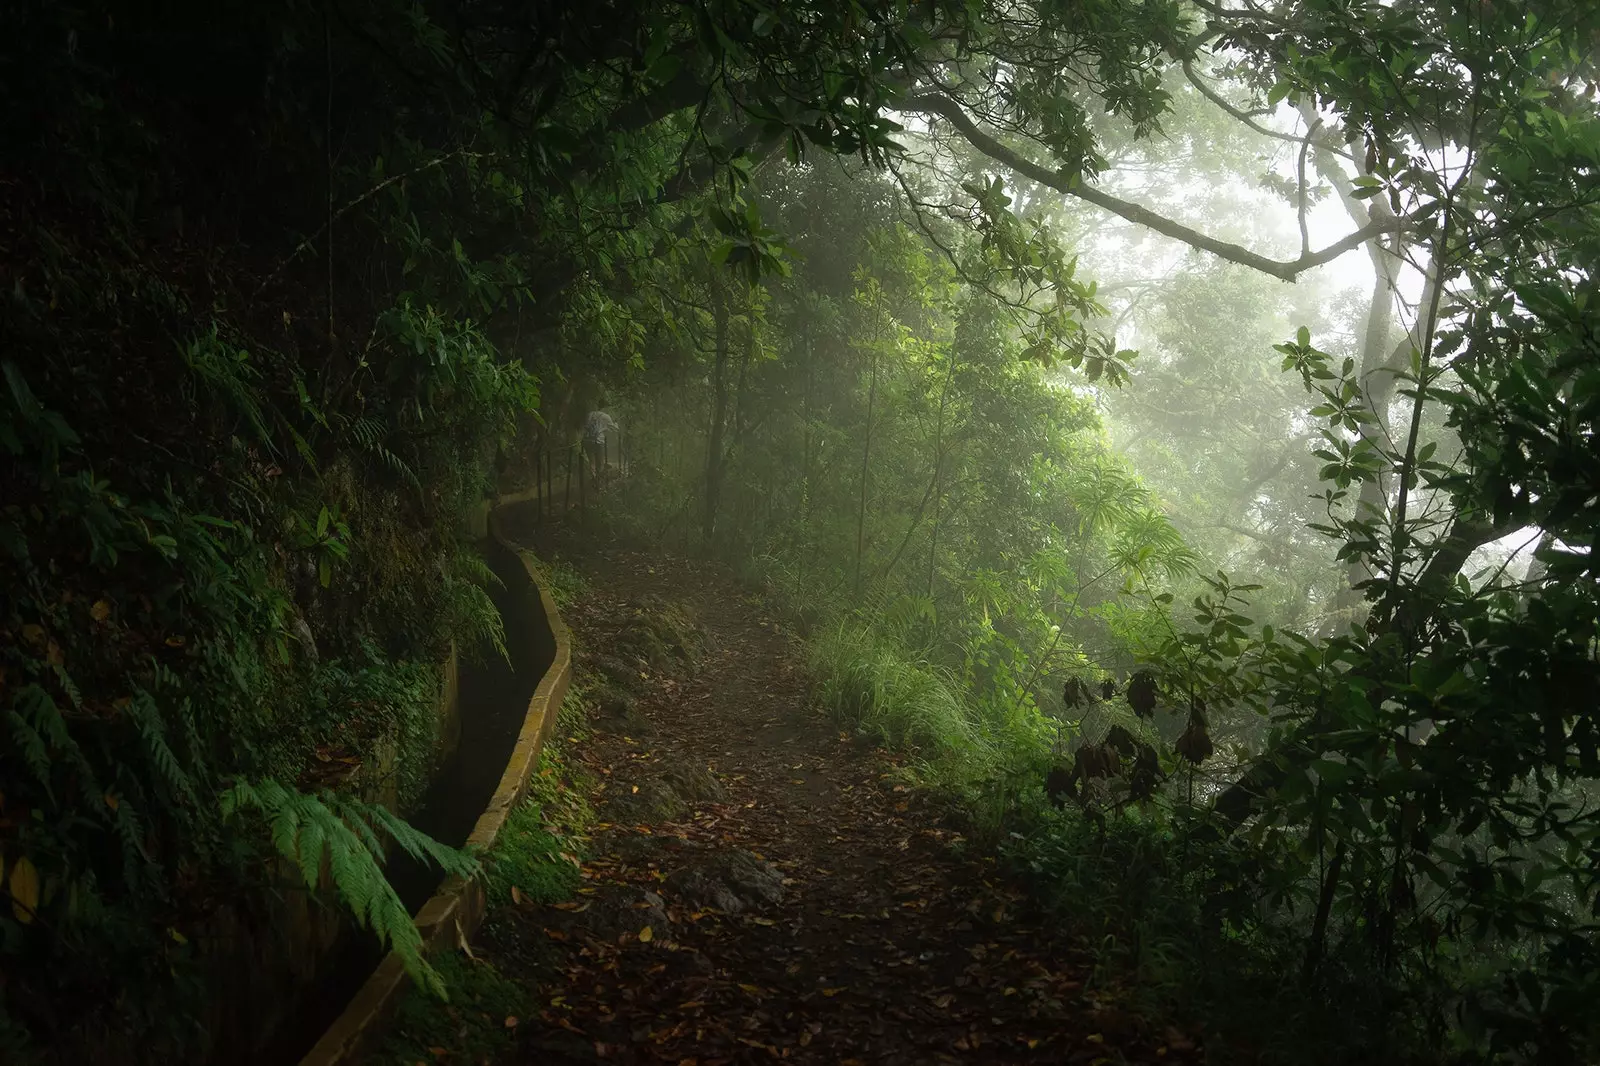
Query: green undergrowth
{"points": [[558, 577], [899, 700], [1183, 923], [974, 754], [535, 860], [477, 1024], [542, 843], [1186, 923]]}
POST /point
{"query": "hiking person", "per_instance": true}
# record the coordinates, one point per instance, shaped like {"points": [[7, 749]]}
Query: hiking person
{"points": [[595, 428]]}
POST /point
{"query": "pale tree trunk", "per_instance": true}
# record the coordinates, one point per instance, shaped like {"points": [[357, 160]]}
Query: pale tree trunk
{"points": [[1382, 359], [866, 466], [866, 444], [719, 412]]}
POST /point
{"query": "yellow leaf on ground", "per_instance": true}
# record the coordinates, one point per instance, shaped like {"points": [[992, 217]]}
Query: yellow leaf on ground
{"points": [[100, 611], [646, 935], [512, 1021]]}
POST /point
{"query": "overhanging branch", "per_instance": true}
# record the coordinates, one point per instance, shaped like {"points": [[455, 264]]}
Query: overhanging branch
{"points": [[1289, 270]]}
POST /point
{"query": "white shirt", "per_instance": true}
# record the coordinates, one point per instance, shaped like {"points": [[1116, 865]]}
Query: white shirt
{"points": [[597, 425]]}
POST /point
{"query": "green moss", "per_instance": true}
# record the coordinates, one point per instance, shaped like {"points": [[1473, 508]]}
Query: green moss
{"points": [[558, 577], [476, 1024], [544, 840]]}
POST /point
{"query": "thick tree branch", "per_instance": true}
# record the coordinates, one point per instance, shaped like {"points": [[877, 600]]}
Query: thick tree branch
{"points": [[948, 109], [1324, 144]]}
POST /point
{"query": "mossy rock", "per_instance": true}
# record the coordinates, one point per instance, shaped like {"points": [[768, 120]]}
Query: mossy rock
{"points": [[668, 797], [617, 711], [662, 635], [732, 882], [617, 672], [696, 784], [655, 801]]}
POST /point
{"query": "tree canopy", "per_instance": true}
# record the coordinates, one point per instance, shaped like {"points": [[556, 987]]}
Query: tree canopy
{"points": [[290, 289]]}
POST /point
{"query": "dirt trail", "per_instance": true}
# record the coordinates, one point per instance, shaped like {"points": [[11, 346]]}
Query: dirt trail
{"points": [[801, 906]]}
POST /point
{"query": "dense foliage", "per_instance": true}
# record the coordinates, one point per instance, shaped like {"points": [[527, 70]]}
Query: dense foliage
{"points": [[281, 282]]}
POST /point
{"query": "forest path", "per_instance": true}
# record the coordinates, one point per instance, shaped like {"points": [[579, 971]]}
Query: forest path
{"points": [[801, 905]]}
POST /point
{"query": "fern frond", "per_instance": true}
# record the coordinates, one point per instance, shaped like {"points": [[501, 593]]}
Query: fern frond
{"points": [[304, 828], [146, 716], [473, 567], [34, 752], [421, 846], [474, 618]]}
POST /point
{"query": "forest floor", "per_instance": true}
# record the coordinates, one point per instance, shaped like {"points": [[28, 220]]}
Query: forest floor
{"points": [[760, 886]]}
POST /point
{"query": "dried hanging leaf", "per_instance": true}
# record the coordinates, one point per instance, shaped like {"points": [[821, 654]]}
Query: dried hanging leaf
{"points": [[516, 895], [1141, 693], [1195, 745]]}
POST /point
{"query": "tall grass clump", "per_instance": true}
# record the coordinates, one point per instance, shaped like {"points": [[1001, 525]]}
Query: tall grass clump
{"points": [[882, 690]]}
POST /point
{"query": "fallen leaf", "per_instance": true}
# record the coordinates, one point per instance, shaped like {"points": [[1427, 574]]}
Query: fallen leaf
{"points": [[100, 611], [512, 1021], [831, 992], [24, 890], [646, 935]]}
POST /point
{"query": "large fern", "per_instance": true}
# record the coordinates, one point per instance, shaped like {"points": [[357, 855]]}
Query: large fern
{"points": [[349, 833], [473, 617], [369, 435]]}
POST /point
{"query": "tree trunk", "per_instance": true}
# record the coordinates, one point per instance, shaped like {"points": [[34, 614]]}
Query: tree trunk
{"points": [[866, 449], [719, 414]]}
